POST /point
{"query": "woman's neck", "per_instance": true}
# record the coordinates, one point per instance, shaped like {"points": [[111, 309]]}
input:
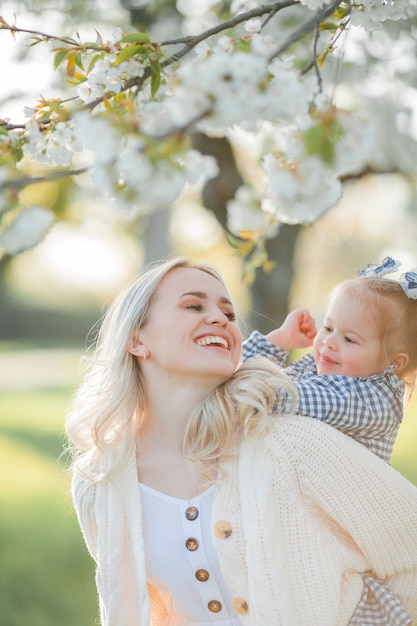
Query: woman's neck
{"points": [[162, 464], [170, 402]]}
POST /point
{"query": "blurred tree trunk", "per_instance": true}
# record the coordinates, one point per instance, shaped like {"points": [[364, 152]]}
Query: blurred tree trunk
{"points": [[156, 239], [269, 292]]}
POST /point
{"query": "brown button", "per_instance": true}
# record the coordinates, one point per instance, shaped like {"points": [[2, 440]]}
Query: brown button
{"points": [[214, 606], [202, 575], [191, 513], [240, 606], [191, 544], [222, 529]]}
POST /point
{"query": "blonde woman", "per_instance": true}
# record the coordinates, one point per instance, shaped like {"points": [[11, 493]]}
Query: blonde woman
{"points": [[200, 505]]}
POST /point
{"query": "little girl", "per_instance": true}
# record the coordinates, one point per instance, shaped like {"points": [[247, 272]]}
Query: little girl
{"points": [[363, 366]]}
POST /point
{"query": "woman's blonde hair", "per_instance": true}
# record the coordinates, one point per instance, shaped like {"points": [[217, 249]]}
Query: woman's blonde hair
{"points": [[103, 420], [242, 406]]}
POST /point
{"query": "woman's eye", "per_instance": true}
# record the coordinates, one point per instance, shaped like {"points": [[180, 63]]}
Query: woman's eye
{"points": [[349, 340], [231, 316], [195, 307], [327, 329]]}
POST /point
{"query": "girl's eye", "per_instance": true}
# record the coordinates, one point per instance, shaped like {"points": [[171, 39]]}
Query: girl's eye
{"points": [[195, 307], [327, 328], [349, 340], [231, 316]]}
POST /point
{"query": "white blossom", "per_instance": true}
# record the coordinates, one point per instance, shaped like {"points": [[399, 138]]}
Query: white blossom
{"points": [[243, 212], [371, 14], [105, 77], [195, 9], [354, 147], [29, 227], [314, 5], [55, 146], [253, 26], [134, 169], [300, 193], [240, 6], [198, 167], [97, 135]]}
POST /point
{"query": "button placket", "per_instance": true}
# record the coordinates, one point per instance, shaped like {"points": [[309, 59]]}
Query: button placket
{"points": [[206, 584]]}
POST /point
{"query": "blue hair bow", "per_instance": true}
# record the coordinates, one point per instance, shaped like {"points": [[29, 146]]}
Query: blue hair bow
{"points": [[408, 282], [388, 266]]}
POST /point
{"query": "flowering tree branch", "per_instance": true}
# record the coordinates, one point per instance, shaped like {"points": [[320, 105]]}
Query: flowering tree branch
{"points": [[134, 105]]}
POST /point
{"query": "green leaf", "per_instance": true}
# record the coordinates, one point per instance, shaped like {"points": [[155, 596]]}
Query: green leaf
{"points": [[328, 26], [59, 57], [79, 61], [136, 38], [127, 53], [156, 77], [317, 140], [93, 61]]}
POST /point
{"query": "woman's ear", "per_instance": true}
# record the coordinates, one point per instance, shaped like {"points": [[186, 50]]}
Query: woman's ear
{"points": [[136, 347], [400, 361]]}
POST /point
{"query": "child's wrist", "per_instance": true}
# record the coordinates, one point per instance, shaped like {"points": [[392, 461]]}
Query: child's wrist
{"points": [[279, 339]]}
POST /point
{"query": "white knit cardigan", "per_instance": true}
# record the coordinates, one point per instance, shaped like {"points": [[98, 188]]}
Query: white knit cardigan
{"points": [[310, 510]]}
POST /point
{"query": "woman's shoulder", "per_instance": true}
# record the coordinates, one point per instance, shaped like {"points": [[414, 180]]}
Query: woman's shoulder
{"points": [[312, 439]]}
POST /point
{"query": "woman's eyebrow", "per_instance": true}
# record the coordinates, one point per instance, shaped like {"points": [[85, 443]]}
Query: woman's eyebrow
{"points": [[203, 296]]}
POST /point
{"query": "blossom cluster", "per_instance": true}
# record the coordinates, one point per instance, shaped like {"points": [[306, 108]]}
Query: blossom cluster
{"points": [[137, 107]]}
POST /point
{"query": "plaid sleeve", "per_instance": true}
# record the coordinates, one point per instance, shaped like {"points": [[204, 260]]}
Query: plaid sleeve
{"points": [[258, 345], [369, 410]]}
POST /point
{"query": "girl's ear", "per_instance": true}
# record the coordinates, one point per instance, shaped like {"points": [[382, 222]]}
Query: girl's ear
{"points": [[136, 347], [400, 361]]}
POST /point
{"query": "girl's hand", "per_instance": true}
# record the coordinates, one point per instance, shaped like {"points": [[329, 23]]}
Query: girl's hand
{"points": [[297, 331]]}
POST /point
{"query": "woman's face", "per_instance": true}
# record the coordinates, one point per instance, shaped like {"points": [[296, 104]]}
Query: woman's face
{"points": [[191, 332]]}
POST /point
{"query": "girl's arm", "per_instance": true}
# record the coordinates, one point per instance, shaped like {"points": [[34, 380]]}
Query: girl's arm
{"points": [[297, 331]]}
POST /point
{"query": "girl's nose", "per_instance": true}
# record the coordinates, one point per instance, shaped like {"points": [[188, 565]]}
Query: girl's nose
{"points": [[330, 341]]}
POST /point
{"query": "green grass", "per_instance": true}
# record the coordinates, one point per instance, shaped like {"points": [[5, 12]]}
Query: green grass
{"points": [[46, 575], [404, 457]]}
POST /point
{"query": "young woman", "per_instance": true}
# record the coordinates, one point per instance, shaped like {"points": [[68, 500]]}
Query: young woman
{"points": [[200, 505]]}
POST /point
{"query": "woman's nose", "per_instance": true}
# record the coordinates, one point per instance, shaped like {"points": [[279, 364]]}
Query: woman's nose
{"points": [[216, 316]]}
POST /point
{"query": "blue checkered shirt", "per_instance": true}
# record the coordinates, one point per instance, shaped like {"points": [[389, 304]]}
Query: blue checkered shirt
{"points": [[368, 409]]}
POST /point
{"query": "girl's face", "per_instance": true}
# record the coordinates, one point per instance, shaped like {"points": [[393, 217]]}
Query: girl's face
{"points": [[191, 332], [349, 342]]}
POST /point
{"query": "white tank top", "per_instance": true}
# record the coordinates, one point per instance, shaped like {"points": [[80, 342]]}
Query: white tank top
{"points": [[181, 561]]}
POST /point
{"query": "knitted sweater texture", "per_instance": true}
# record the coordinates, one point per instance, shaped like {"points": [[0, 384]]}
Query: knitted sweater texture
{"points": [[310, 510]]}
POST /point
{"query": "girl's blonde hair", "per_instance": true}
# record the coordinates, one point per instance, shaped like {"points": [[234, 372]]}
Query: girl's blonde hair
{"points": [[395, 316], [103, 420]]}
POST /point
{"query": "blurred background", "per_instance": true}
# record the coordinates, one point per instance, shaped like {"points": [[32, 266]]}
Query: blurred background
{"points": [[53, 295]]}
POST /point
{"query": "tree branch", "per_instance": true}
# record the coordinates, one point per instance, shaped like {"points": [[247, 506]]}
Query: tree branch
{"points": [[19, 183], [305, 28], [192, 41], [47, 37]]}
